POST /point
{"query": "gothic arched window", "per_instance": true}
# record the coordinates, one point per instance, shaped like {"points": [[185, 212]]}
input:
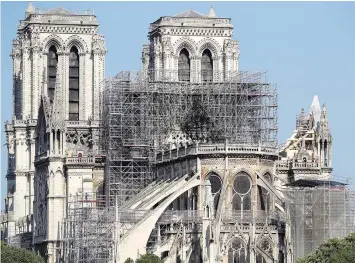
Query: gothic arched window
{"points": [[74, 84], [52, 71], [241, 191], [184, 65], [216, 186], [207, 66]]}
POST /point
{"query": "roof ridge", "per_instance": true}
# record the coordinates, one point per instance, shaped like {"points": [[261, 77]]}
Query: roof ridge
{"points": [[191, 13], [59, 10]]}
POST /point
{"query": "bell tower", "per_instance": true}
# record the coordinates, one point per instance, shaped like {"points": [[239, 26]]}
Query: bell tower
{"points": [[191, 47], [58, 57]]}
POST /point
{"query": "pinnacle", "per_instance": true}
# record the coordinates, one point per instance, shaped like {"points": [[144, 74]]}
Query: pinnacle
{"points": [[212, 13]]}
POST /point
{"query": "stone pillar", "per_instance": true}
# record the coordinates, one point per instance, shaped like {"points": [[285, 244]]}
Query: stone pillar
{"points": [[165, 69], [175, 67], [63, 69], [99, 73], [26, 83], [196, 69], [36, 81], [228, 67], [82, 86], [329, 154], [235, 62], [17, 88], [321, 154], [217, 69]]}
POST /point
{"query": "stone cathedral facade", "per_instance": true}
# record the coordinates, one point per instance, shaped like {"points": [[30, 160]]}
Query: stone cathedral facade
{"points": [[54, 152], [58, 73]]}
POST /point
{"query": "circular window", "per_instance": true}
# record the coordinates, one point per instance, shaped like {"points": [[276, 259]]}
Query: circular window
{"points": [[216, 183], [242, 183]]}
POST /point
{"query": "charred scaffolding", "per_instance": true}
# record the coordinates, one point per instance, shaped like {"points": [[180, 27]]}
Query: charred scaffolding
{"points": [[142, 117]]}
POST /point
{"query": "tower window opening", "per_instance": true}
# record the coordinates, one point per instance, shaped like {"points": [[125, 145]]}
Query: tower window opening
{"points": [[184, 65], [52, 72], [207, 66], [74, 84]]}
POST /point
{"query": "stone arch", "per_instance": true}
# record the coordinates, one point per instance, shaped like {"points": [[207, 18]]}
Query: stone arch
{"points": [[242, 170], [185, 42], [53, 40], [141, 231], [51, 173], [99, 187], [237, 248], [78, 42], [267, 245], [211, 171], [267, 171], [216, 186], [211, 44]]}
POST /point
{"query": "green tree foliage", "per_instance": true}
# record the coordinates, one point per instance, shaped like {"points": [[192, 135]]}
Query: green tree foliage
{"points": [[146, 258], [129, 260], [334, 251], [18, 255]]}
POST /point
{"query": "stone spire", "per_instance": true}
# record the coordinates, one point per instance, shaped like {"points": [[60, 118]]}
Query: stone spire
{"points": [[212, 13], [30, 9], [324, 118], [57, 113], [315, 109]]}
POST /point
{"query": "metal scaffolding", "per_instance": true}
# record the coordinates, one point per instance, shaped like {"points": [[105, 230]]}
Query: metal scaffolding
{"points": [[89, 230], [140, 116], [318, 214], [143, 118]]}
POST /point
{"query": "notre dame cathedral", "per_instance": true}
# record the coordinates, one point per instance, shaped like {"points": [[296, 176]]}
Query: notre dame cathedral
{"points": [[180, 159]]}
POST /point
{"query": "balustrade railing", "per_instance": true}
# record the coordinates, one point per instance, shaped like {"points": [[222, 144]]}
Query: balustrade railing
{"points": [[297, 165], [248, 216], [191, 76], [71, 160], [305, 165], [213, 149], [181, 216]]}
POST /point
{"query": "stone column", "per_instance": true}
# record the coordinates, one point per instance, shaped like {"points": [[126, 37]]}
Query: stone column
{"points": [[45, 71], [36, 87], [63, 69], [329, 154], [195, 69], [217, 69], [82, 86], [16, 67], [164, 66], [321, 154], [228, 69], [99, 73], [175, 67], [26, 83]]}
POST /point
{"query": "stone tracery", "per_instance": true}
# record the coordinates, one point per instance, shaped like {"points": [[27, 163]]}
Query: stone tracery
{"points": [[55, 40]]}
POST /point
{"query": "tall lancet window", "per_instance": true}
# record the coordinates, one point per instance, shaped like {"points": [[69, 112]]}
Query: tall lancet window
{"points": [[184, 65], [207, 66], [74, 84], [52, 71]]}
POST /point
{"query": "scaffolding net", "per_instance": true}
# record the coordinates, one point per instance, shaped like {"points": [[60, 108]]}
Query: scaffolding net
{"points": [[142, 117], [89, 230], [318, 214]]}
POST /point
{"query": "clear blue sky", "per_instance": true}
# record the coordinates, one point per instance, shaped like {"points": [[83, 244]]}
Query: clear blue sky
{"points": [[307, 48]]}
